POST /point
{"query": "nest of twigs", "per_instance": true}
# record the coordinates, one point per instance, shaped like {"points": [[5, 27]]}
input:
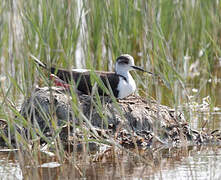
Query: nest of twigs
{"points": [[130, 122]]}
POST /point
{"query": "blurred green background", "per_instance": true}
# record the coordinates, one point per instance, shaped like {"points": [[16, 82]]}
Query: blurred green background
{"points": [[178, 40]]}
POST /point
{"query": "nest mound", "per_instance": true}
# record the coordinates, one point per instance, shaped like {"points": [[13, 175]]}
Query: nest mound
{"points": [[132, 122]]}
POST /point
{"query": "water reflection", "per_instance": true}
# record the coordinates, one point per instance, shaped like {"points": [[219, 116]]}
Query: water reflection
{"points": [[9, 168], [186, 163]]}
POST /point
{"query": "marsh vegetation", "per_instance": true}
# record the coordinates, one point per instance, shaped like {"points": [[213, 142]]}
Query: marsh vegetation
{"points": [[178, 40]]}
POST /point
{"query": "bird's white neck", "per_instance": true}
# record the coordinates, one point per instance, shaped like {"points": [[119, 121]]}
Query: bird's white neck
{"points": [[126, 85], [124, 73]]}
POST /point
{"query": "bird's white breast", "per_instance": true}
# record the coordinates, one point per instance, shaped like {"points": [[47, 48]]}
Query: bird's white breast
{"points": [[126, 88]]}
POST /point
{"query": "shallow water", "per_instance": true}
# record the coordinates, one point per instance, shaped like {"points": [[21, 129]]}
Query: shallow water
{"points": [[202, 162]]}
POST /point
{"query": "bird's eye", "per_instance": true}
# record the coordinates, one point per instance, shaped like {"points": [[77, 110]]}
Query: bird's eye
{"points": [[123, 60]]}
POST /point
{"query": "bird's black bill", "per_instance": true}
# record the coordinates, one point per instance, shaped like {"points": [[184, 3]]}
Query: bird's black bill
{"points": [[140, 69]]}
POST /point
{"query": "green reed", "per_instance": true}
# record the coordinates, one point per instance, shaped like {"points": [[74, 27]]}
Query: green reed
{"points": [[166, 37]]}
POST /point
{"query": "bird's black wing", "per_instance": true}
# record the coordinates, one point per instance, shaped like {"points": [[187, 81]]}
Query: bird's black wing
{"points": [[82, 80]]}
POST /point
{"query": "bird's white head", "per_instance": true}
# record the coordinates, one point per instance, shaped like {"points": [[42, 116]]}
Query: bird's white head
{"points": [[124, 64]]}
